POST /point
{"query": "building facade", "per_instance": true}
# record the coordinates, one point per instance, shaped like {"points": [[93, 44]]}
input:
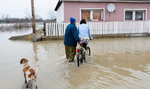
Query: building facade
{"points": [[103, 10]]}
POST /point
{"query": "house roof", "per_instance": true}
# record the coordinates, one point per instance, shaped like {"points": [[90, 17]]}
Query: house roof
{"points": [[60, 1], [109, 0]]}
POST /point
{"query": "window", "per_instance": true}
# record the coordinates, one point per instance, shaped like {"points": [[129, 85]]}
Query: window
{"points": [[139, 15], [97, 15], [86, 14], [135, 15], [128, 15], [92, 14]]}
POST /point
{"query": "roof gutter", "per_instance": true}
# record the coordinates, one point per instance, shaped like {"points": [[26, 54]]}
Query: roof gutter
{"points": [[58, 5], [109, 1]]}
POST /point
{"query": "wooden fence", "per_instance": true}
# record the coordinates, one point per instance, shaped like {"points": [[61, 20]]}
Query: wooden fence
{"points": [[101, 28]]}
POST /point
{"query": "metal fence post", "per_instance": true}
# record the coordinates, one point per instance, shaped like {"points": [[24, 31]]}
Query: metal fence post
{"points": [[44, 29], [149, 26]]}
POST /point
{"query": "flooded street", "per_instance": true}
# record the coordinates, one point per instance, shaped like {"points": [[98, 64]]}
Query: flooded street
{"points": [[116, 63]]}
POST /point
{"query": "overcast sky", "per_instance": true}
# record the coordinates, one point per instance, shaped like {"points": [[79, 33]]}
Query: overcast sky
{"points": [[22, 8]]}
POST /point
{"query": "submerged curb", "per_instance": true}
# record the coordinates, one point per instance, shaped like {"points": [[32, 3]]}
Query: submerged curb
{"points": [[29, 37], [101, 36], [40, 37]]}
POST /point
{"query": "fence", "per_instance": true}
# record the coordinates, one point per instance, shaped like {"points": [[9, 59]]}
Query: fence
{"points": [[102, 28]]}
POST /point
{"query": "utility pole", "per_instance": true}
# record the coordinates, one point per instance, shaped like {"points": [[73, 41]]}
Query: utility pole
{"points": [[33, 16]]}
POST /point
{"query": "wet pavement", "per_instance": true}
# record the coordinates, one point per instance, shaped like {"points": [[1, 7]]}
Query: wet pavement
{"points": [[116, 63]]}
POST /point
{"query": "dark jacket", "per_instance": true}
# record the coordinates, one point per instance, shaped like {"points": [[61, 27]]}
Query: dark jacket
{"points": [[71, 35]]}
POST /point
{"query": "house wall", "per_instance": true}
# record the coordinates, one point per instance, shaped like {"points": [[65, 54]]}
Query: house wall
{"points": [[72, 9], [60, 13]]}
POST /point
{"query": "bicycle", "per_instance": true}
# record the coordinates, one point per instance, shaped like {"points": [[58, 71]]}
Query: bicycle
{"points": [[81, 54]]}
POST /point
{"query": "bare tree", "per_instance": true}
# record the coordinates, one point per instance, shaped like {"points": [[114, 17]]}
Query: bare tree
{"points": [[5, 18], [52, 15], [27, 14], [38, 18]]}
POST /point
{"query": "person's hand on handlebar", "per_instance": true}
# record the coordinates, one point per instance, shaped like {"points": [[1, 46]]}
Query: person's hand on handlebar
{"points": [[80, 42]]}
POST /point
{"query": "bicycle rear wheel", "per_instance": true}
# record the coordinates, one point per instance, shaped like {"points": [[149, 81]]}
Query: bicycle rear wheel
{"points": [[88, 51], [79, 58], [83, 57]]}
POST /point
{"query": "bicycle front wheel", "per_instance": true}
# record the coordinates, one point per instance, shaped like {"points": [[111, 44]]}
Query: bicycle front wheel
{"points": [[79, 58], [88, 51]]}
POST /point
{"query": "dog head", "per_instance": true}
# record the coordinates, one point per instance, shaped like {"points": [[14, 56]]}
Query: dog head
{"points": [[23, 61]]}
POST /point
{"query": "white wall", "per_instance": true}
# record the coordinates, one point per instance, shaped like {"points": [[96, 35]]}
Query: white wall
{"points": [[60, 14]]}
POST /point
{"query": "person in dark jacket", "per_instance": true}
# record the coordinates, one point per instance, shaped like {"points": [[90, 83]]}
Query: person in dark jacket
{"points": [[71, 39]]}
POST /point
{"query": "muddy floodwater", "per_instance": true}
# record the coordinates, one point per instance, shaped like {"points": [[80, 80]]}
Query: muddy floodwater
{"points": [[116, 63]]}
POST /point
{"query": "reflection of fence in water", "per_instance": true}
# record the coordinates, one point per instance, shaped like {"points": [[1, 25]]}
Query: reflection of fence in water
{"points": [[126, 27], [121, 45]]}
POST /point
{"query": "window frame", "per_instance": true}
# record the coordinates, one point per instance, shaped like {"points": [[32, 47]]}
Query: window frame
{"points": [[91, 13], [133, 17]]}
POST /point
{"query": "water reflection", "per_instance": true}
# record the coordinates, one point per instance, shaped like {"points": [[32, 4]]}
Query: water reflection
{"points": [[115, 64], [36, 59], [122, 45]]}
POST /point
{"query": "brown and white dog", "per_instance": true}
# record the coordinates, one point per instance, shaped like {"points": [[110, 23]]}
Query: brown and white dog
{"points": [[29, 73]]}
